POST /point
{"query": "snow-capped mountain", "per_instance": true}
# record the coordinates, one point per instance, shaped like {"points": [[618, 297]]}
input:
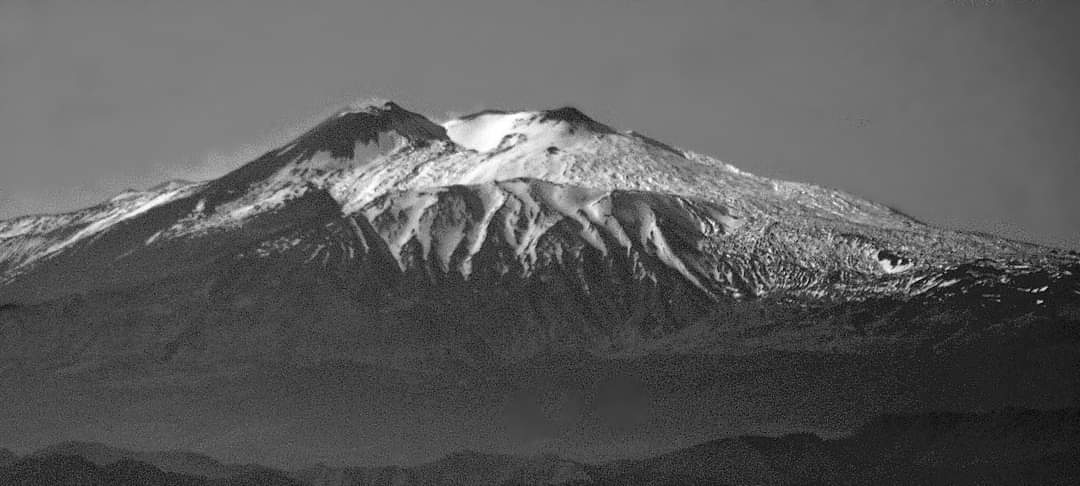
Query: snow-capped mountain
{"points": [[503, 249], [790, 236]]}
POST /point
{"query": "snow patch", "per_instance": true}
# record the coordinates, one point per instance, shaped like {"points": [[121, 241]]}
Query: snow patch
{"points": [[484, 132], [892, 263]]}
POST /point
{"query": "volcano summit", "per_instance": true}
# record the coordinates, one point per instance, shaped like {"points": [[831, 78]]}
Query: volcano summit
{"points": [[388, 290]]}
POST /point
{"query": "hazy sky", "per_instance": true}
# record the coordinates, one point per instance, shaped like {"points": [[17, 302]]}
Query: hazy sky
{"points": [[964, 113]]}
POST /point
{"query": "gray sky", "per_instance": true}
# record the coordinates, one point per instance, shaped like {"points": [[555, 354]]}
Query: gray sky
{"points": [[964, 113]]}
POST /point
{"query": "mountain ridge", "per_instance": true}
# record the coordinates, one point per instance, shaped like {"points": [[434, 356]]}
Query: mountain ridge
{"points": [[999, 447], [392, 289], [353, 181]]}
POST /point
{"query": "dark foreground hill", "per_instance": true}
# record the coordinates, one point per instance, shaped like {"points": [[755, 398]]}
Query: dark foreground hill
{"points": [[1007, 447]]}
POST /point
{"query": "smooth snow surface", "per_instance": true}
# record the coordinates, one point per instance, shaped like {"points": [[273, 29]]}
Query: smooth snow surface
{"points": [[485, 132]]}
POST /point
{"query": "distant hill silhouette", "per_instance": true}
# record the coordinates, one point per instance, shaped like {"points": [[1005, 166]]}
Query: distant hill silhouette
{"points": [[1007, 447], [61, 470]]}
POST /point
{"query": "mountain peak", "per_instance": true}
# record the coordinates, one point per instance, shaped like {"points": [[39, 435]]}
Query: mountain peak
{"points": [[368, 123], [575, 117], [354, 135], [490, 130], [370, 106]]}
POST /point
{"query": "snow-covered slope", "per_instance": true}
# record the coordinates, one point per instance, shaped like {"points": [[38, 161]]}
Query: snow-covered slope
{"points": [[452, 225], [788, 236], [565, 145], [29, 239]]}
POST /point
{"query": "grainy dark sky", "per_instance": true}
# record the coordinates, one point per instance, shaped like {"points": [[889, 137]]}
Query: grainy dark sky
{"points": [[964, 113]]}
